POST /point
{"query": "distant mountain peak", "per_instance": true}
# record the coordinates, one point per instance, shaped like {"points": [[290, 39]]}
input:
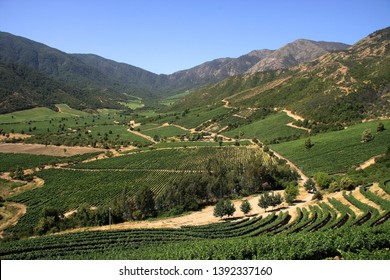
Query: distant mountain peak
{"points": [[294, 53]]}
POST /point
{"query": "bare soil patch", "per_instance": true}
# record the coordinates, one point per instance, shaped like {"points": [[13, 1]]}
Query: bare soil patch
{"points": [[293, 115], [368, 163], [14, 135], [11, 213], [50, 150]]}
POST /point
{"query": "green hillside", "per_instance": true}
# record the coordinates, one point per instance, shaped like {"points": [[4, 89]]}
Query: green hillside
{"points": [[341, 86]]}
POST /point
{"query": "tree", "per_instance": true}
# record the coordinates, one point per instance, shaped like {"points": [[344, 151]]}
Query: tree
{"points": [[18, 174], [144, 201], [219, 210], [308, 144], [229, 208], [309, 186], [346, 184], [275, 199], [290, 193], [381, 127], [322, 179], [264, 201], [245, 207], [224, 207], [317, 195], [367, 136]]}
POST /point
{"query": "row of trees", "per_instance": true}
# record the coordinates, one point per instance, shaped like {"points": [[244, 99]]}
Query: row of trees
{"points": [[267, 199]]}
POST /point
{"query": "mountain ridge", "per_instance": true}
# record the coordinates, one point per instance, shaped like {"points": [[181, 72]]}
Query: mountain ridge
{"points": [[109, 80], [340, 86]]}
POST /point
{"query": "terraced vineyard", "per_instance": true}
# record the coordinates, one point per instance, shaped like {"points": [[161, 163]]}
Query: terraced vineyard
{"points": [[98, 183], [190, 159], [324, 230]]}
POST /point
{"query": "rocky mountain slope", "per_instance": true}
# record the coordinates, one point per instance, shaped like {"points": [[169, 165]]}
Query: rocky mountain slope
{"points": [[295, 53], [340, 86]]}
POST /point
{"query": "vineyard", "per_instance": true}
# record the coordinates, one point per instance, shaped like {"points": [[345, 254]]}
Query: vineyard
{"points": [[190, 159], [320, 231], [98, 183]]}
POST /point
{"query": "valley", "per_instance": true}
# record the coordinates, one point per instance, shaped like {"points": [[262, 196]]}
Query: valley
{"points": [[143, 178]]}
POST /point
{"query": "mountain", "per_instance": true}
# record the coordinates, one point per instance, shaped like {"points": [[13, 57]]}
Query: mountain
{"points": [[340, 86], [77, 71], [295, 53], [104, 79], [211, 71], [21, 88]]}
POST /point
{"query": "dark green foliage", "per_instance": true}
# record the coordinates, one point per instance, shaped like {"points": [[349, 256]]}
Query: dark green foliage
{"points": [[381, 127], [308, 144], [367, 136], [322, 179], [290, 193], [266, 200], [245, 207], [310, 185], [144, 202], [224, 207], [317, 195]]}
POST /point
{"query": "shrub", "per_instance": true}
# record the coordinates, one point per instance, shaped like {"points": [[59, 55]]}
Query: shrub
{"points": [[322, 179]]}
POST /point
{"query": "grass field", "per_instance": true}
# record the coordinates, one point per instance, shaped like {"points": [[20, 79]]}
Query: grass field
{"points": [[9, 161], [99, 182], [336, 151], [271, 128], [172, 99], [133, 104], [36, 114], [198, 144], [200, 115], [66, 110], [166, 131]]}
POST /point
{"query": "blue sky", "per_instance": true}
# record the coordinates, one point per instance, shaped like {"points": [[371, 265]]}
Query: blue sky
{"points": [[167, 36]]}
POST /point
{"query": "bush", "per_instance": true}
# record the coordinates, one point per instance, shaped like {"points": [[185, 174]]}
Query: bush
{"points": [[367, 136], [245, 207], [322, 179], [224, 207], [290, 193], [317, 195]]}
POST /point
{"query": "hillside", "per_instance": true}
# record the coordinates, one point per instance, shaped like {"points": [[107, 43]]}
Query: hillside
{"points": [[84, 74], [113, 81], [340, 86], [23, 88], [295, 53]]}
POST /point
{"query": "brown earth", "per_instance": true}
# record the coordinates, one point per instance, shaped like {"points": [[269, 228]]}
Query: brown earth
{"points": [[368, 163], [15, 135], [50, 150], [11, 213]]}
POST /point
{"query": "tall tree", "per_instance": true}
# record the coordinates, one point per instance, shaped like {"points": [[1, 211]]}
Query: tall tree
{"points": [[144, 202], [245, 207], [290, 193]]}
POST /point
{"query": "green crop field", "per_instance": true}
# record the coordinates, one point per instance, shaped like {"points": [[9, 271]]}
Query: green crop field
{"points": [[322, 231], [133, 104], [193, 159], [166, 131], [336, 151], [172, 99], [200, 115], [99, 182], [66, 110], [9, 161], [198, 144], [271, 128], [36, 114]]}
